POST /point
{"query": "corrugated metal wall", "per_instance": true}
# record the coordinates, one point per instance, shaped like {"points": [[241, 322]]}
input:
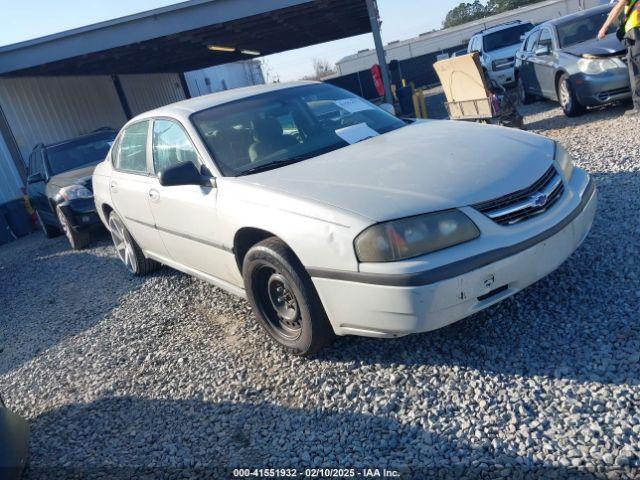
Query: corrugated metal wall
{"points": [[10, 181], [146, 92], [224, 77], [52, 109]]}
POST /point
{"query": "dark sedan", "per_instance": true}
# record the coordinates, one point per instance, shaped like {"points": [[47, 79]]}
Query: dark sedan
{"points": [[563, 60], [59, 185]]}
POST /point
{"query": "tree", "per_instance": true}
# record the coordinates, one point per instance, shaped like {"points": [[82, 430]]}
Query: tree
{"points": [[321, 68], [470, 11]]}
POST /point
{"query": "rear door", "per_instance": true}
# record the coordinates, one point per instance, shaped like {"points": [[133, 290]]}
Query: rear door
{"points": [[186, 215], [129, 187]]}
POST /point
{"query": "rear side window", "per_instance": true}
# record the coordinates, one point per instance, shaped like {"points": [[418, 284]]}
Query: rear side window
{"points": [[132, 154], [171, 146]]}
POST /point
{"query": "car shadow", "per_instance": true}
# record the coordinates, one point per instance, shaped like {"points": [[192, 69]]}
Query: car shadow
{"points": [[129, 437], [577, 323], [559, 120], [40, 311]]}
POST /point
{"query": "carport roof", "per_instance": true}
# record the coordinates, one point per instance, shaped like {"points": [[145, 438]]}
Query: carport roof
{"points": [[175, 38]]}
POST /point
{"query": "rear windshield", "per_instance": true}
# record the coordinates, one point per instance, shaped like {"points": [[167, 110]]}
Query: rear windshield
{"points": [[505, 38], [583, 29], [80, 152]]}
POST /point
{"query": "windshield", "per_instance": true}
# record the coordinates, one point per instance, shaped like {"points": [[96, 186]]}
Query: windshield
{"points": [[285, 126], [80, 152], [505, 38], [583, 29]]}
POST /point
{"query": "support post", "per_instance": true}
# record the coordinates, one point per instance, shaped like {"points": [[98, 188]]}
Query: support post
{"points": [[14, 150], [122, 96], [185, 86], [374, 17]]}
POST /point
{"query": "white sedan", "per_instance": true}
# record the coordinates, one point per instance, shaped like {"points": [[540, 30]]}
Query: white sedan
{"points": [[334, 217]]}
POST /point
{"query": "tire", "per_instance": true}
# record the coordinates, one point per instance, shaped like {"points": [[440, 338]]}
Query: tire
{"points": [[48, 230], [524, 97], [284, 299], [77, 240], [570, 104], [128, 250]]}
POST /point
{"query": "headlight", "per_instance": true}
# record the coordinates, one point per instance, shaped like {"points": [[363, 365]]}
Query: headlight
{"points": [[75, 191], [595, 66], [414, 236], [565, 162]]}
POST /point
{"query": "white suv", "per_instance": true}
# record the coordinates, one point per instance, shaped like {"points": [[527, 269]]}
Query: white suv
{"points": [[497, 47]]}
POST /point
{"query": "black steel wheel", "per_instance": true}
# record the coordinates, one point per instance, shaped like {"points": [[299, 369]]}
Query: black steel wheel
{"points": [[284, 299]]}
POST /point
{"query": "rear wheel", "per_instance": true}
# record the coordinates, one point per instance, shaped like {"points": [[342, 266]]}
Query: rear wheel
{"points": [[567, 97], [284, 298], [128, 250], [78, 240], [48, 230]]}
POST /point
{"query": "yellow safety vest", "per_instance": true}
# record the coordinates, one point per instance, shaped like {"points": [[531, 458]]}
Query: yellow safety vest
{"points": [[632, 14]]}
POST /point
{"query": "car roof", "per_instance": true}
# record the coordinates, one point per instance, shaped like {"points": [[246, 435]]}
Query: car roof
{"points": [[574, 16], [95, 133], [502, 26], [185, 108]]}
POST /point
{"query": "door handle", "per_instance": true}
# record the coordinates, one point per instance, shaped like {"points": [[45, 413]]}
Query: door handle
{"points": [[154, 195]]}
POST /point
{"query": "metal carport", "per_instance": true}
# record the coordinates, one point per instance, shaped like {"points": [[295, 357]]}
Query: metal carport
{"points": [[42, 75]]}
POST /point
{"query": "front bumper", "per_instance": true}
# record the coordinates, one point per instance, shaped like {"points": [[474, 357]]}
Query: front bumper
{"points": [[383, 310], [81, 214], [595, 90], [503, 77]]}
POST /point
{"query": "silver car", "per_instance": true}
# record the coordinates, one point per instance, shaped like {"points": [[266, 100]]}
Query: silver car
{"points": [[563, 60], [333, 217]]}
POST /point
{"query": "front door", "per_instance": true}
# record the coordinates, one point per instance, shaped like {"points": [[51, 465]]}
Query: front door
{"points": [[186, 216], [544, 66], [129, 186]]}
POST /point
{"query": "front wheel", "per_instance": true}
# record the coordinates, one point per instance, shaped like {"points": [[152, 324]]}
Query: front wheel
{"points": [[524, 97], [128, 250], [284, 299], [77, 240], [570, 104], [48, 230]]}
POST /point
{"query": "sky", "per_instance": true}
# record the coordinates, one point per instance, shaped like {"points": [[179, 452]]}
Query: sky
{"points": [[402, 19]]}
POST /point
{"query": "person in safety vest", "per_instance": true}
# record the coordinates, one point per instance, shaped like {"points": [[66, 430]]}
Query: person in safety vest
{"points": [[629, 32]]}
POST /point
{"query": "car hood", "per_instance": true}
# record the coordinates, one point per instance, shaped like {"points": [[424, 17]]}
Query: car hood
{"points": [[608, 46], [79, 176], [424, 167], [505, 52]]}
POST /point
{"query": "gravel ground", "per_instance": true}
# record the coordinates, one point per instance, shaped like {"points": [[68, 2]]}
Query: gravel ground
{"points": [[171, 378]]}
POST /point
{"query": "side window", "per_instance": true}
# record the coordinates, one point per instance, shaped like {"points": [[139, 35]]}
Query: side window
{"points": [[32, 163], [171, 146], [531, 41], [545, 39], [132, 154]]}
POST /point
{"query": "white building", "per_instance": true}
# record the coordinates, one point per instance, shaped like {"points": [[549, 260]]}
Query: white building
{"points": [[224, 77]]}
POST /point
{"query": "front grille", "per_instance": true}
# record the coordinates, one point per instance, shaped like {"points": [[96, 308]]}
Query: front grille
{"points": [[526, 203]]}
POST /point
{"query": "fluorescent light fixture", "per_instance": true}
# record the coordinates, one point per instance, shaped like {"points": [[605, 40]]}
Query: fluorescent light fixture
{"points": [[255, 53], [220, 48]]}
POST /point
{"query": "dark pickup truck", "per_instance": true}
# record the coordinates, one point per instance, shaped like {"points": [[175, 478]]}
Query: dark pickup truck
{"points": [[59, 185]]}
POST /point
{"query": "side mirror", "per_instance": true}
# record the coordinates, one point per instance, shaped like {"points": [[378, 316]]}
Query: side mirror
{"points": [[541, 51], [185, 173], [387, 107], [35, 178]]}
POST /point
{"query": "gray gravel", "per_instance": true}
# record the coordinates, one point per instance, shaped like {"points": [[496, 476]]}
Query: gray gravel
{"points": [[170, 377]]}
